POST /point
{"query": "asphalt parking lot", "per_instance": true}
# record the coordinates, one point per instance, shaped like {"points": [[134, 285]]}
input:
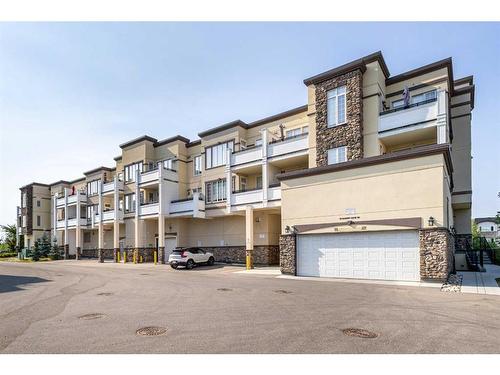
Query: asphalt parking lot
{"points": [[86, 307]]}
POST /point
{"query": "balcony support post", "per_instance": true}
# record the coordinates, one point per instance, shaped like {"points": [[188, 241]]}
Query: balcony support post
{"points": [[66, 240], [78, 229], [100, 227], [54, 216], [265, 169], [162, 205], [249, 236], [229, 181], [116, 222], [137, 208]]}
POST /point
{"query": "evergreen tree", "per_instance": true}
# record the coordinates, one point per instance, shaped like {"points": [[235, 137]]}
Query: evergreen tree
{"points": [[36, 253], [54, 253]]}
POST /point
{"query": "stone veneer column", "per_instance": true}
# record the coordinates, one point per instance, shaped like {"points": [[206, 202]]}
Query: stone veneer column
{"points": [[436, 253], [349, 134], [288, 251]]}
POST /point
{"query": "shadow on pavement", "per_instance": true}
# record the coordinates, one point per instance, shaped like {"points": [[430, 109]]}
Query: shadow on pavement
{"points": [[11, 283]]}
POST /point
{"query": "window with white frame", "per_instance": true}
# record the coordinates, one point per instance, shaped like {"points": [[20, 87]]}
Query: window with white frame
{"points": [[215, 191], [293, 132], [335, 106], [169, 164], [131, 170], [215, 156], [197, 165], [130, 202], [337, 155], [258, 182], [428, 95], [93, 187]]}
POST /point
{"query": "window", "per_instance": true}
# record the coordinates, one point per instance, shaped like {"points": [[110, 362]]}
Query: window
{"points": [[337, 155], [335, 106], [215, 156], [38, 220], [169, 164], [243, 183], [86, 237], [23, 200], [215, 191], [293, 132], [243, 144], [258, 182], [131, 170], [197, 165], [429, 95], [130, 202], [93, 187], [38, 204]]}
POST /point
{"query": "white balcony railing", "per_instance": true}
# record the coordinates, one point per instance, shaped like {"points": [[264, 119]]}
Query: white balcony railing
{"points": [[71, 199], [288, 146], [149, 209], [188, 207], [109, 216], [422, 113], [60, 224], [109, 187], [150, 176], [246, 197], [246, 156], [274, 193], [73, 222], [60, 202]]}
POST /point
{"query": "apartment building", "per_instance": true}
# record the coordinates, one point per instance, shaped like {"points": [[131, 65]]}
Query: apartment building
{"points": [[371, 178]]}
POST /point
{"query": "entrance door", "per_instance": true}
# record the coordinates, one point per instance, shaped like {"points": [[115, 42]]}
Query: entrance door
{"points": [[170, 245]]}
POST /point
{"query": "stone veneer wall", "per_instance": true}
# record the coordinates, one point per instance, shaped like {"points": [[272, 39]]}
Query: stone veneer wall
{"points": [[349, 134], [288, 253], [266, 255], [436, 253]]}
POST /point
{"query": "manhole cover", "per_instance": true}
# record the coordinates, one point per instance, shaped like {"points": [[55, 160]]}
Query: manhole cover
{"points": [[91, 316], [105, 294], [358, 332], [151, 331], [224, 289], [282, 291]]}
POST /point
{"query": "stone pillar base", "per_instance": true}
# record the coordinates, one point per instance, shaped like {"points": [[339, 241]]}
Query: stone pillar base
{"points": [[135, 255], [288, 254], [66, 252], [78, 251], [161, 255], [115, 254], [100, 255]]}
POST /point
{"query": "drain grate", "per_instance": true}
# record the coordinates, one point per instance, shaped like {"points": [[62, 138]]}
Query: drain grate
{"points": [[91, 316], [151, 331], [224, 289], [361, 333], [105, 294], [282, 291]]}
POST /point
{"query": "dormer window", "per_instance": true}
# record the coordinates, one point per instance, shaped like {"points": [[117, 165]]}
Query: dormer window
{"points": [[336, 105]]}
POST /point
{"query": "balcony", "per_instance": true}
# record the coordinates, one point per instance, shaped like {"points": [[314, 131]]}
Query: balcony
{"points": [[425, 120], [149, 208], [109, 215], [191, 207], [71, 199], [249, 155], [109, 187], [288, 146], [274, 193], [151, 177], [241, 198], [72, 223]]}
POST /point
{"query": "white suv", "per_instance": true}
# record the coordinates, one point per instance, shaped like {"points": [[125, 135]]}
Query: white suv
{"points": [[190, 257]]}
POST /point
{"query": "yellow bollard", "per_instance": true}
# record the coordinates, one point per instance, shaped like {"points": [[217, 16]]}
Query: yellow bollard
{"points": [[135, 257], [140, 258], [155, 256], [118, 257], [125, 257]]}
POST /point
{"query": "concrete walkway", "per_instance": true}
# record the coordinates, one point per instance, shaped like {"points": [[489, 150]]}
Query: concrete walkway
{"points": [[481, 282]]}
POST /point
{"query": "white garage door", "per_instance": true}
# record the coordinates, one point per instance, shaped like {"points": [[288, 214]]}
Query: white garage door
{"points": [[391, 255]]}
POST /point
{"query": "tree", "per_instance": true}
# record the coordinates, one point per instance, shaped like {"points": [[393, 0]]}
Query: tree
{"points": [[9, 232], [37, 251], [44, 246], [54, 253]]}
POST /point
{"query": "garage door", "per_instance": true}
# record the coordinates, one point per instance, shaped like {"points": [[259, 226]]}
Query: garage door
{"points": [[391, 255]]}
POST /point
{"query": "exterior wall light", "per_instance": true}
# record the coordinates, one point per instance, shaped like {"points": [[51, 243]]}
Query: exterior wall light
{"points": [[431, 221]]}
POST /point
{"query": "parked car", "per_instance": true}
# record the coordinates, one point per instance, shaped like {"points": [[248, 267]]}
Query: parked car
{"points": [[190, 257]]}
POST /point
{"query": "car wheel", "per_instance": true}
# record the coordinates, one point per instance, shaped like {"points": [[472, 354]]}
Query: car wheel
{"points": [[211, 261], [174, 266], [190, 264]]}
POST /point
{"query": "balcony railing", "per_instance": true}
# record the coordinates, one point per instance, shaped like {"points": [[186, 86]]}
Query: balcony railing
{"points": [[188, 207], [246, 156], [415, 114], [109, 187], [288, 146], [109, 215], [149, 208]]}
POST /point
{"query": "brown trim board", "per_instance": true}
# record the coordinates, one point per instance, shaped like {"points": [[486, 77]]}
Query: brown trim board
{"points": [[411, 222]]}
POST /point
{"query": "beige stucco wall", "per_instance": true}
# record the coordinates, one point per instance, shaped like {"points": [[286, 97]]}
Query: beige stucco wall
{"points": [[402, 189]]}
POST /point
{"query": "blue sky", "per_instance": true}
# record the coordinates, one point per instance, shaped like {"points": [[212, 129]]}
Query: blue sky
{"points": [[71, 92]]}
